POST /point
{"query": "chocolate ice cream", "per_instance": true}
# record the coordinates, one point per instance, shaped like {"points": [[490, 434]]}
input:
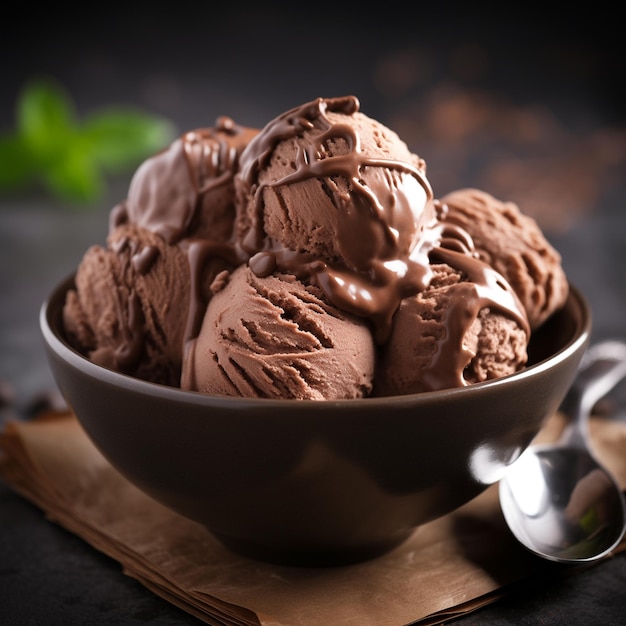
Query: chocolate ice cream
{"points": [[513, 244], [273, 337], [327, 192], [311, 260], [129, 301], [187, 189], [448, 336], [137, 299]]}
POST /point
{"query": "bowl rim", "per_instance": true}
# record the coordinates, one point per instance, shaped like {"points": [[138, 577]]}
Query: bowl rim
{"points": [[59, 346]]}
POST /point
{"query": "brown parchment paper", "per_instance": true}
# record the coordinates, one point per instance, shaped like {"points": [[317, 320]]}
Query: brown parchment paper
{"points": [[449, 567]]}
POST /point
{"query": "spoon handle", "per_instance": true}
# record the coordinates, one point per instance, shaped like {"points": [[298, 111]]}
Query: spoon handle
{"points": [[602, 368]]}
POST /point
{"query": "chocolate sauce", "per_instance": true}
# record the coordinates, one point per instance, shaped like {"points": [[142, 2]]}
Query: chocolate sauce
{"points": [[199, 254], [143, 260], [167, 190], [385, 196]]}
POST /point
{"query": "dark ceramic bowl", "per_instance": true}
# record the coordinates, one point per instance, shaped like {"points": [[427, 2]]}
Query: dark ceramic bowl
{"points": [[316, 483]]}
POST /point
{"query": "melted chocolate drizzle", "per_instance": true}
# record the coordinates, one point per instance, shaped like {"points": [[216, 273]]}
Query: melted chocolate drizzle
{"points": [[372, 279], [166, 192]]}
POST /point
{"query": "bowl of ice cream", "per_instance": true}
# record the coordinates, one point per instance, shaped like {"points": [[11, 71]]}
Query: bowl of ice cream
{"points": [[307, 482], [289, 340]]}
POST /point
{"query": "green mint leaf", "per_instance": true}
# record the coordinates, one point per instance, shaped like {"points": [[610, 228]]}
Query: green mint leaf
{"points": [[120, 138], [50, 146], [16, 164], [75, 177], [46, 119]]}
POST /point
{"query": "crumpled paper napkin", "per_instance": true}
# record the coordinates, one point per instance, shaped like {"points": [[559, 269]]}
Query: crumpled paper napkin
{"points": [[449, 567]]}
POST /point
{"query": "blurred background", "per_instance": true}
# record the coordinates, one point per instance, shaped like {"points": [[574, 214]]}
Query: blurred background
{"points": [[521, 104]]}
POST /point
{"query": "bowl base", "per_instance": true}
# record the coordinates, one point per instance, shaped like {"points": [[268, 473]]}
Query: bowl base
{"points": [[298, 555]]}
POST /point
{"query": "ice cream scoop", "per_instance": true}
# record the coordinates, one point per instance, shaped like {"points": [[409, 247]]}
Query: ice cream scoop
{"points": [[449, 336], [274, 337], [325, 190], [129, 299], [514, 245], [558, 501]]}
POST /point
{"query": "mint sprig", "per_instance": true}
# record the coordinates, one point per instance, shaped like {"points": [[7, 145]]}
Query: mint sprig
{"points": [[50, 146]]}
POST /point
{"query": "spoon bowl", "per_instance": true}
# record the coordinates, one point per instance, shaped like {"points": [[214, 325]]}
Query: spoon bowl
{"points": [[558, 500]]}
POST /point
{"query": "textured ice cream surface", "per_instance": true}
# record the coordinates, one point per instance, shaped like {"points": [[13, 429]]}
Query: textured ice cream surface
{"points": [[274, 337], [448, 336], [514, 245], [130, 306]]}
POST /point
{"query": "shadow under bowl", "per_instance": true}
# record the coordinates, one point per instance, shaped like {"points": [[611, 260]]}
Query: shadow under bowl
{"points": [[313, 483]]}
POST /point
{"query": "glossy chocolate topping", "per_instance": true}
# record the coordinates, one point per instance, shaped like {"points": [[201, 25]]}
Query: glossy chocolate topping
{"points": [[380, 219], [167, 191]]}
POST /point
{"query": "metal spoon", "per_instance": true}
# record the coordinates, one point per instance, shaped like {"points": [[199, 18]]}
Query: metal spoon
{"points": [[558, 501]]}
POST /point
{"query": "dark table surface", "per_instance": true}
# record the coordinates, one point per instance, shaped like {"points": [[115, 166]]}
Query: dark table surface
{"points": [[529, 111]]}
